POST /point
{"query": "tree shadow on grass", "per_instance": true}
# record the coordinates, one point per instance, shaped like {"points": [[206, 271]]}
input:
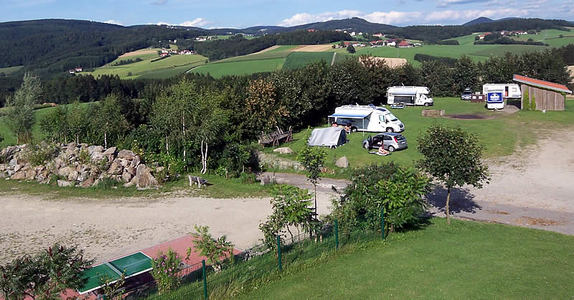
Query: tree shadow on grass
{"points": [[461, 200]]}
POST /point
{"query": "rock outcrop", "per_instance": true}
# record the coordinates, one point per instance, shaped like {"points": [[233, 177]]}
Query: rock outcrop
{"points": [[75, 165]]}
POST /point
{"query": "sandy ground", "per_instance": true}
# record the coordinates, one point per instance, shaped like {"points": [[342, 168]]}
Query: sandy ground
{"points": [[313, 48], [138, 52], [265, 50], [532, 188], [107, 229]]}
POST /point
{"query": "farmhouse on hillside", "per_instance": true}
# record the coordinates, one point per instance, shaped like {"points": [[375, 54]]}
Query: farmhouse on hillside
{"points": [[544, 94]]}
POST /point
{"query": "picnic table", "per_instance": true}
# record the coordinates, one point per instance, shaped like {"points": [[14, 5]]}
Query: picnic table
{"points": [[276, 137]]}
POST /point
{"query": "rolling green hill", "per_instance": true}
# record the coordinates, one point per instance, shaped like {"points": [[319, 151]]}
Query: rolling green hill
{"points": [[149, 67]]}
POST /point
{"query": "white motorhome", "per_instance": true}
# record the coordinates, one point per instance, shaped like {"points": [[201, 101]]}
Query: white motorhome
{"points": [[496, 93], [367, 118], [409, 95], [509, 90]]}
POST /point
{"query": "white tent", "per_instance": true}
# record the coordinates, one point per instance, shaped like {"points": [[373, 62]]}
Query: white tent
{"points": [[330, 137]]}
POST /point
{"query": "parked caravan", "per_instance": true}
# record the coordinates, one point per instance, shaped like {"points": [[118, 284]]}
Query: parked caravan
{"points": [[331, 137], [409, 95], [496, 93], [367, 118], [509, 90]]}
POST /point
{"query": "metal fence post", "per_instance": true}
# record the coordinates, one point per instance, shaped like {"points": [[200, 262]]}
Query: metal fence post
{"points": [[383, 222], [336, 234], [279, 253], [204, 280]]}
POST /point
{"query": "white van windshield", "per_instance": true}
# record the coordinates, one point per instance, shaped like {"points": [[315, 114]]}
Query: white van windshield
{"points": [[391, 117]]}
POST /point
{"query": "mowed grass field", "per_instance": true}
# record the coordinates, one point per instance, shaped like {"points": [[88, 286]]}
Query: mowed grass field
{"points": [[500, 133], [148, 68], [464, 260], [466, 47]]}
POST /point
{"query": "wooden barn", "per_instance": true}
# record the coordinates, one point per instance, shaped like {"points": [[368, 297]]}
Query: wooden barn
{"points": [[544, 95]]}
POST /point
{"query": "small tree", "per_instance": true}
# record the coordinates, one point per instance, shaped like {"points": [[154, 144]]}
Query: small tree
{"points": [[46, 275], [453, 157], [216, 250], [291, 207], [20, 113], [313, 159], [165, 269]]}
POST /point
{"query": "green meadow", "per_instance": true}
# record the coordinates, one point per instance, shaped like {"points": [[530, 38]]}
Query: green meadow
{"points": [[501, 133]]}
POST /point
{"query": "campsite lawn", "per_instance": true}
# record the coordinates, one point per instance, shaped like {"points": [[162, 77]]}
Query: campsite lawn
{"points": [[500, 135], [466, 260]]}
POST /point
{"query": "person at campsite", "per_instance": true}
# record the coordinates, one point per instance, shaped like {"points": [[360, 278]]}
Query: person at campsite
{"points": [[348, 128], [382, 151]]}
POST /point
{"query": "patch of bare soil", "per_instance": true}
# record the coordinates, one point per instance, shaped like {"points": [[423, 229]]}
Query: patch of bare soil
{"points": [[539, 176], [138, 52], [313, 48], [265, 50], [107, 229], [535, 221], [471, 117]]}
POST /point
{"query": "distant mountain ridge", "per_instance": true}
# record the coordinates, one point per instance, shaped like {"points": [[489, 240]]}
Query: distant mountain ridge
{"points": [[479, 20], [52, 46]]}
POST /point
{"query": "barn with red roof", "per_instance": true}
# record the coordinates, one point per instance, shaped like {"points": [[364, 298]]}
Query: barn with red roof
{"points": [[545, 95]]}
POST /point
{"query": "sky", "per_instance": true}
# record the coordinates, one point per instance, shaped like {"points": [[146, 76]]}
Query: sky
{"points": [[246, 13]]}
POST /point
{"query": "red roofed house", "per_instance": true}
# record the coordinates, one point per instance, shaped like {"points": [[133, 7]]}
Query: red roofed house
{"points": [[547, 95], [404, 44]]}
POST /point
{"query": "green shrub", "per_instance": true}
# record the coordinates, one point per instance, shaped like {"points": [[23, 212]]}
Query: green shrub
{"points": [[398, 190], [525, 101], [164, 272]]}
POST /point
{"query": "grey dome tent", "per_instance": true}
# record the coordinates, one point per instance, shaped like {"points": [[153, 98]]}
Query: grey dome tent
{"points": [[329, 137]]}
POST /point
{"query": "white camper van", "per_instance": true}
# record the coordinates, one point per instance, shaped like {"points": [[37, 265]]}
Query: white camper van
{"points": [[409, 95], [496, 93], [367, 118]]}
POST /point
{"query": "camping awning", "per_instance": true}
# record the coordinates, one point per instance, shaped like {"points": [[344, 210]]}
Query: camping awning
{"points": [[360, 115]]}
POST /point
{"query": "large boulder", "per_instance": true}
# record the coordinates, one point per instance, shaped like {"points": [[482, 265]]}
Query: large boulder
{"points": [[283, 150], [65, 171], [115, 168], [144, 179], [64, 183], [126, 154], [342, 162]]}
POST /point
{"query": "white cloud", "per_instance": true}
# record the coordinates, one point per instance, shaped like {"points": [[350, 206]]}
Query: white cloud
{"points": [[444, 3], [198, 22], [408, 17], [304, 18], [113, 22], [393, 17]]}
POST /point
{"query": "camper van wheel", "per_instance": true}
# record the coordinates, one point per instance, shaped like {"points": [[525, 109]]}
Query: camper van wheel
{"points": [[391, 148], [390, 129], [427, 104]]}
